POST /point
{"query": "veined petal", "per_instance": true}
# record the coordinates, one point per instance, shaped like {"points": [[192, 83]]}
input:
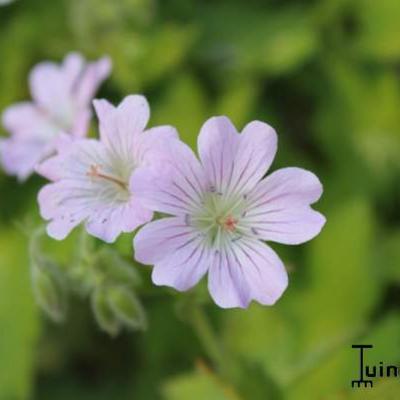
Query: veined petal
{"points": [[247, 270], [278, 208], [258, 146], [176, 187], [235, 163], [150, 145], [184, 267], [64, 207], [226, 281], [110, 221], [157, 240], [218, 144], [288, 226], [287, 186], [119, 125]]}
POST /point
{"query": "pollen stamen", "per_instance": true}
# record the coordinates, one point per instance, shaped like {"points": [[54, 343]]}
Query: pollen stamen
{"points": [[94, 172], [227, 223]]}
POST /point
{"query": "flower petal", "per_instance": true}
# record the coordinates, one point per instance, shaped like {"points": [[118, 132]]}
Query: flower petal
{"points": [[19, 157], [175, 187], [235, 163], [64, 217], [160, 238], [110, 221], [258, 145], [90, 78], [248, 270], [184, 267], [77, 196], [72, 68], [150, 145], [218, 144], [49, 89], [25, 120], [278, 208], [119, 125]]}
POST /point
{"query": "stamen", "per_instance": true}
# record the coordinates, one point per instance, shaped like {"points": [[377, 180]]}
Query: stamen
{"points": [[94, 172], [227, 223]]}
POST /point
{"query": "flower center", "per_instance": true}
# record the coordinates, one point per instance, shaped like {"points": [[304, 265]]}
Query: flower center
{"points": [[95, 172], [219, 219], [227, 223]]}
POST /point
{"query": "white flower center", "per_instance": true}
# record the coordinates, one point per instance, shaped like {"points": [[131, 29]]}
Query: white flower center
{"points": [[112, 187], [220, 218]]}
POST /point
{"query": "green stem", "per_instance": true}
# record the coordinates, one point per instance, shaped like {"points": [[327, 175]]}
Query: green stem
{"points": [[210, 342]]}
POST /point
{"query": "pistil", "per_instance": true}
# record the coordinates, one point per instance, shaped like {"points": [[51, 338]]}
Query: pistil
{"points": [[94, 172]]}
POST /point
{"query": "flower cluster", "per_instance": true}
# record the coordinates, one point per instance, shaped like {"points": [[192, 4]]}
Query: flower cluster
{"points": [[218, 210]]}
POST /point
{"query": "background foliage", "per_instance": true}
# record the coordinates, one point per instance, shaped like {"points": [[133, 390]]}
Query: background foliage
{"points": [[325, 74]]}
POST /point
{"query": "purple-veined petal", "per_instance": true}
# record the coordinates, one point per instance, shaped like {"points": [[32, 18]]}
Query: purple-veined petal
{"points": [[150, 145], [257, 149], [64, 217], [158, 239], [247, 270], [110, 221], [218, 144], [183, 267], [176, 187], [278, 208], [235, 163], [119, 125]]}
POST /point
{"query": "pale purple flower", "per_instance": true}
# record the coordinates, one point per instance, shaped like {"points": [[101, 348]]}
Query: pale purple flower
{"points": [[62, 96], [222, 211], [92, 178]]}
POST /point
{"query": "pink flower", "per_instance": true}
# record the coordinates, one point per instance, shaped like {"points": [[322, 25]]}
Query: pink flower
{"points": [[92, 178], [61, 103], [222, 211]]}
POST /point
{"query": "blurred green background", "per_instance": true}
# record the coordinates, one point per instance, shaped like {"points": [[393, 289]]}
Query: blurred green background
{"points": [[326, 75]]}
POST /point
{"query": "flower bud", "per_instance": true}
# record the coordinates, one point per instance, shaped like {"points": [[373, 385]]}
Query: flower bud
{"points": [[48, 293], [103, 313], [126, 307], [115, 268]]}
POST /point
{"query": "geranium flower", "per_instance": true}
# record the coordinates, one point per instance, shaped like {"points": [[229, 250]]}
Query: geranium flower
{"points": [[92, 178], [62, 95], [222, 211]]}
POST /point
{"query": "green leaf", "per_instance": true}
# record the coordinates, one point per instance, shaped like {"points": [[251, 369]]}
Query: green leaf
{"points": [[199, 385]]}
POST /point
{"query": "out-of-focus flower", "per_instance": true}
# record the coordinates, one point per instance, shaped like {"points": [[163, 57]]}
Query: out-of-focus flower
{"points": [[92, 178], [222, 211], [62, 95]]}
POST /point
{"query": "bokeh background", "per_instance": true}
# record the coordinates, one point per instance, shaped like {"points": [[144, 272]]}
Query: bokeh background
{"points": [[326, 75]]}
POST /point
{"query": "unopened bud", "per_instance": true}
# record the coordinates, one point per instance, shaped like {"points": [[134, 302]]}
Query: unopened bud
{"points": [[103, 313], [49, 294], [127, 307]]}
